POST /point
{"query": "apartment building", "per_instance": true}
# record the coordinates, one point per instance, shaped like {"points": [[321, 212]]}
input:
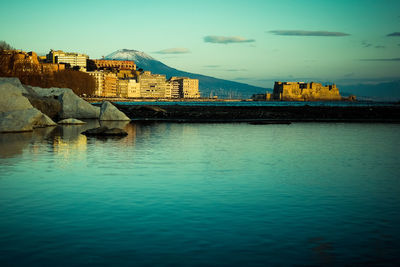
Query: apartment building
{"points": [[128, 88], [73, 59], [187, 88], [152, 85]]}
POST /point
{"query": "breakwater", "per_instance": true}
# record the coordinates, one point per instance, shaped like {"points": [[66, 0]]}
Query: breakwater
{"points": [[304, 113]]}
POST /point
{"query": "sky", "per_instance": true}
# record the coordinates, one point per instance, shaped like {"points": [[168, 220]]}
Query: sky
{"points": [[255, 42]]}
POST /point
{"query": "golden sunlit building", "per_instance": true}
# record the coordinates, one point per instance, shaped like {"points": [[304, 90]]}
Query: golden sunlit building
{"points": [[300, 91], [106, 83], [114, 64], [128, 88], [73, 59], [152, 85], [185, 87]]}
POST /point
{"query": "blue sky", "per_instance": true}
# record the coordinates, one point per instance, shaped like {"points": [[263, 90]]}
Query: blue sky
{"points": [[255, 42]]}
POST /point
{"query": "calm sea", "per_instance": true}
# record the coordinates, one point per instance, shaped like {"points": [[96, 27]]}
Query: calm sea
{"points": [[202, 194]]}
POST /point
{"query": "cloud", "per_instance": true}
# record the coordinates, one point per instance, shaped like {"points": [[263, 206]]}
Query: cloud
{"points": [[366, 44], [176, 50], [234, 70], [211, 66], [308, 33], [394, 34], [226, 39], [380, 59]]}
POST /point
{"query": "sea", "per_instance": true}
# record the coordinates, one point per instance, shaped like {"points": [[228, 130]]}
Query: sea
{"points": [[202, 194]]}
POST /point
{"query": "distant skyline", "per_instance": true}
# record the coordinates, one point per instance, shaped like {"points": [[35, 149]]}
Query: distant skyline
{"points": [[255, 42]]}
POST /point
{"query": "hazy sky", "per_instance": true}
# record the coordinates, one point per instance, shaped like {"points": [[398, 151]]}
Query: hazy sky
{"points": [[250, 41]]}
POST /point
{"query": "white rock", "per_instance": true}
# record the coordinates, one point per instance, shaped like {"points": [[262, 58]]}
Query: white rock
{"points": [[23, 120], [71, 121], [11, 98], [72, 105], [108, 112], [16, 112], [14, 82]]}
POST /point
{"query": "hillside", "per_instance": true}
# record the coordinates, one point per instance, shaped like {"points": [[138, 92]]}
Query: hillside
{"points": [[207, 85]]}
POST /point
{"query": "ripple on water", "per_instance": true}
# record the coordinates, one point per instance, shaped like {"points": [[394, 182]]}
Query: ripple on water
{"points": [[194, 194]]}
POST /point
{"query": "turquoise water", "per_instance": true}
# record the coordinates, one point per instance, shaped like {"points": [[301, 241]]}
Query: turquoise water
{"points": [[202, 194]]}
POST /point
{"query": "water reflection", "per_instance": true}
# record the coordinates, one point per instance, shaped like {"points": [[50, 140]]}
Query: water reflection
{"points": [[12, 144], [65, 139]]}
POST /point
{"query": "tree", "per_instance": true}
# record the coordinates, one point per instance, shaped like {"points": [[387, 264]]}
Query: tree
{"points": [[5, 46]]}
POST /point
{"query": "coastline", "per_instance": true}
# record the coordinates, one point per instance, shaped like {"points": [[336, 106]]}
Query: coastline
{"points": [[266, 114]]}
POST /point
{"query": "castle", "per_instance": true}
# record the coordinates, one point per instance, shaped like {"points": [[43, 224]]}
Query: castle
{"points": [[300, 91]]}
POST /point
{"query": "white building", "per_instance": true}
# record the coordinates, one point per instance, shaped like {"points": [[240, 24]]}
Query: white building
{"points": [[99, 78], [128, 88], [74, 59]]}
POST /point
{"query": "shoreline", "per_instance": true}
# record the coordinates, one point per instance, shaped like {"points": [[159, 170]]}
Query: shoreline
{"points": [[266, 114]]}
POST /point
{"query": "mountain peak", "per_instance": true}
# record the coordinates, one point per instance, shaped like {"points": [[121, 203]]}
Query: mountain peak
{"points": [[129, 54]]}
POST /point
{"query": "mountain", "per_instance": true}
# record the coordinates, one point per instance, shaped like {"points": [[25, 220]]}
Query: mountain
{"points": [[207, 85], [386, 91]]}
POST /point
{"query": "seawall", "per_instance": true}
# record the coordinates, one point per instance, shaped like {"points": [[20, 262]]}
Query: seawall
{"points": [[179, 113]]}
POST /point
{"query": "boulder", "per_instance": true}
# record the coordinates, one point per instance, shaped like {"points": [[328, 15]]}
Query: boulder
{"points": [[23, 120], [16, 112], [15, 82], [11, 98], [108, 112], [47, 105], [71, 121], [105, 131], [72, 106]]}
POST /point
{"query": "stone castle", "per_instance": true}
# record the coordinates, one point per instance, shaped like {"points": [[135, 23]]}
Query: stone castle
{"points": [[300, 91]]}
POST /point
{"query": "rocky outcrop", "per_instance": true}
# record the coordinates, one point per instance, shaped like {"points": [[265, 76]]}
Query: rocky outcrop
{"points": [[47, 105], [14, 82], [72, 106], [16, 112], [23, 108], [71, 121], [23, 120], [105, 131], [11, 97], [108, 112]]}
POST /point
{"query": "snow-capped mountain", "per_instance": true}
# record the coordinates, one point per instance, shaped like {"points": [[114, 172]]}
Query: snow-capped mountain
{"points": [[207, 85], [128, 54]]}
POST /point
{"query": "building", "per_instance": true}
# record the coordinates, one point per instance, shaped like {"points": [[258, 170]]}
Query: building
{"points": [[172, 89], [125, 74], [300, 91], [110, 84], [114, 64], [99, 78], [73, 59], [185, 87], [106, 83], [152, 85], [50, 67], [17, 61], [128, 88]]}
